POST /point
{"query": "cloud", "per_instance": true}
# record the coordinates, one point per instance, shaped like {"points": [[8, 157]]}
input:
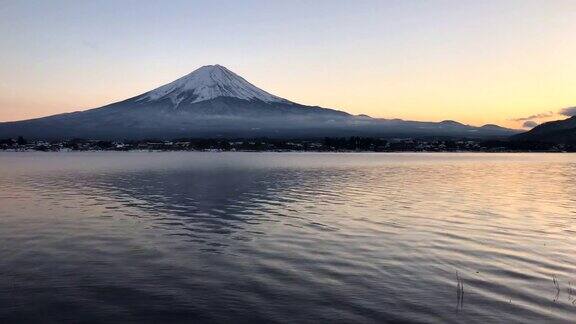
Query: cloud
{"points": [[91, 45], [536, 116], [529, 124], [570, 111]]}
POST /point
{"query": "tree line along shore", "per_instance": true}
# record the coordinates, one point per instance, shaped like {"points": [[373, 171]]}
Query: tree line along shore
{"points": [[328, 144]]}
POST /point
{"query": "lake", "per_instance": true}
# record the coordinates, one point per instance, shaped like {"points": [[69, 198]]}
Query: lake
{"points": [[287, 237]]}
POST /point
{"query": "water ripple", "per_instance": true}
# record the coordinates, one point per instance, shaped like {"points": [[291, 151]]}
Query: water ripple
{"points": [[182, 237]]}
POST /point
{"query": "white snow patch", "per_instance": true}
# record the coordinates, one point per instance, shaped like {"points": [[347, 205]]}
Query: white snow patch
{"points": [[209, 82]]}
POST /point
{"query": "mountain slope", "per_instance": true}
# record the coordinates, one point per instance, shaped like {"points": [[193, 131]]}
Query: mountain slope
{"points": [[560, 131], [212, 101]]}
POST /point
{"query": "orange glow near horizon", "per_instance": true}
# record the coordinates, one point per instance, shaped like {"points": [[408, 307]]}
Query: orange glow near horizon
{"points": [[429, 98]]}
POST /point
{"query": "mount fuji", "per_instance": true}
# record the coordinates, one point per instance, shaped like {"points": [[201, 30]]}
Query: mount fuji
{"points": [[213, 101]]}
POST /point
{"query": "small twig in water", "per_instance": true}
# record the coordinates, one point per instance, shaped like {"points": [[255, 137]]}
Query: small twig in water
{"points": [[459, 292], [571, 293], [557, 286]]}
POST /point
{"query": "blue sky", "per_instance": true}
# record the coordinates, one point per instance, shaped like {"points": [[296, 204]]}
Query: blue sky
{"points": [[474, 61]]}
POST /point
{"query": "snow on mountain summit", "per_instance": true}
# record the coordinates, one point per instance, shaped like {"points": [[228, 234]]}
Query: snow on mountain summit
{"points": [[209, 82]]}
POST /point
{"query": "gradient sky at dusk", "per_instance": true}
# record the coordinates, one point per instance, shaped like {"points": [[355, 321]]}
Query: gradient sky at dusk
{"points": [[473, 61]]}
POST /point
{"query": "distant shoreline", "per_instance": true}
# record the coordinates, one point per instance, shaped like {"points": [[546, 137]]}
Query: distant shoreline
{"points": [[280, 152], [328, 144]]}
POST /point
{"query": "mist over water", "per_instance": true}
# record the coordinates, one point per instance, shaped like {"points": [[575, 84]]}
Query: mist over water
{"points": [[267, 237]]}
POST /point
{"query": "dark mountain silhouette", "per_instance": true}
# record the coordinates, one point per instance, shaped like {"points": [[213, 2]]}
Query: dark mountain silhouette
{"points": [[212, 101], [560, 131]]}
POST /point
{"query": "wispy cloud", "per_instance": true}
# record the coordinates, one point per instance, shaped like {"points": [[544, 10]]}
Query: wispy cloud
{"points": [[570, 111], [529, 124], [91, 45], [536, 116]]}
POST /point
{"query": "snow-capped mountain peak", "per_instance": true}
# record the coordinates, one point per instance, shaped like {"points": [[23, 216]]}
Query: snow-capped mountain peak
{"points": [[209, 82]]}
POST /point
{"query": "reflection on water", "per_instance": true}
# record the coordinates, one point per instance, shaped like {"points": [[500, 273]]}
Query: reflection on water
{"points": [[248, 237]]}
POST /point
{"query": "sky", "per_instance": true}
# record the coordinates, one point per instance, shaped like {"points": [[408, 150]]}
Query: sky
{"points": [[508, 62]]}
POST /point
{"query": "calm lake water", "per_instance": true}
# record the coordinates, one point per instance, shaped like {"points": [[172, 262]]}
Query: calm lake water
{"points": [[287, 238]]}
